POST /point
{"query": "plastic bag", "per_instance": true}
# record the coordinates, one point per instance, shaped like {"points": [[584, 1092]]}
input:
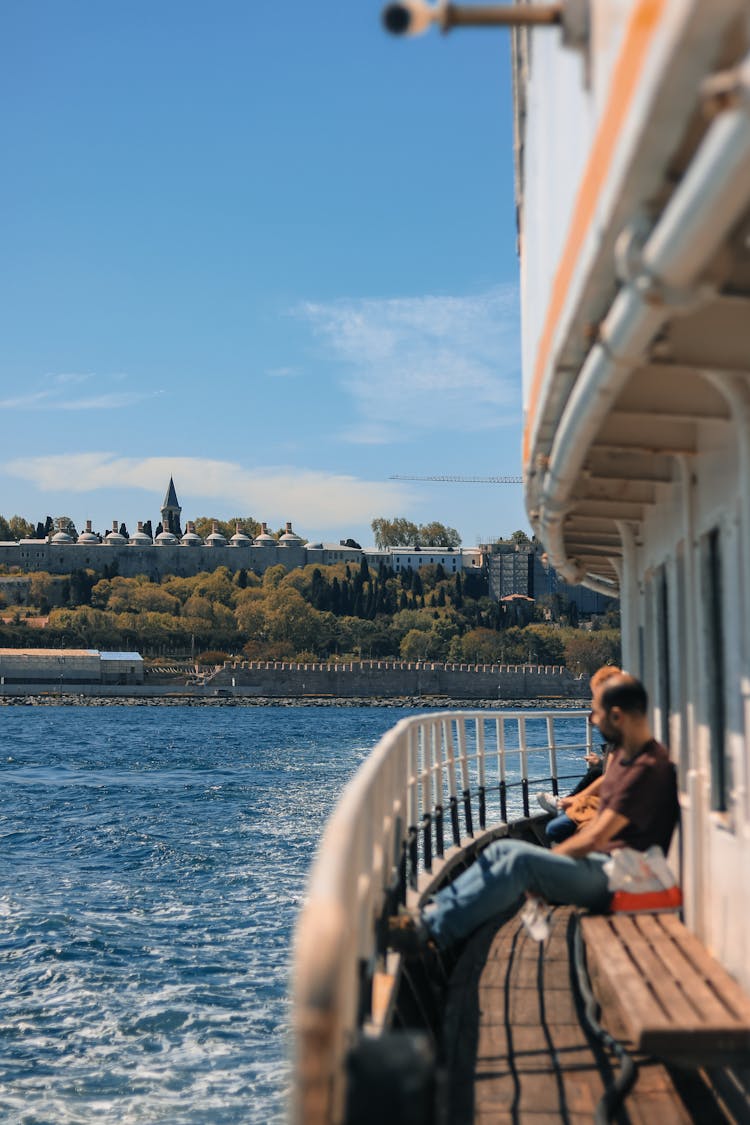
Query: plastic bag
{"points": [[641, 881], [638, 872]]}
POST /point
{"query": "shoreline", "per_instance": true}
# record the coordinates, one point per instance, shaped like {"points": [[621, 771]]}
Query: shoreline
{"points": [[73, 699]]}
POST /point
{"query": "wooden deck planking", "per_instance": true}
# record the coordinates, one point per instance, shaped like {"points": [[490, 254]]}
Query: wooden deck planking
{"points": [[516, 1051]]}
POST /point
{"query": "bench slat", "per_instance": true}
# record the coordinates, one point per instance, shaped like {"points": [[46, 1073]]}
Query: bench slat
{"points": [[726, 987], [659, 975], [670, 995], [710, 1006], [616, 978]]}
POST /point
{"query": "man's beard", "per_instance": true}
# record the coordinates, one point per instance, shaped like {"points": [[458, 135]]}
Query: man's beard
{"points": [[610, 732]]}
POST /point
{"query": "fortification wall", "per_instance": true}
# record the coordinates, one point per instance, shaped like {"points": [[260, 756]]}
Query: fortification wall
{"points": [[153, 561], [387, 679]]}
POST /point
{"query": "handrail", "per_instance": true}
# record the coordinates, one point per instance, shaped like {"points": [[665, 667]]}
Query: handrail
{"points": [[384, 834]]}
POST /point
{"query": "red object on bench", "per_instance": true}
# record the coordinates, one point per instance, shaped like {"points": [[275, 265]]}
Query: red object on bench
{"points": [[625, 902]]}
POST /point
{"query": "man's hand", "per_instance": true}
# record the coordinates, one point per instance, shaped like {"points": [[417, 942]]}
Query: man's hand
{"points": [[593, 837]]}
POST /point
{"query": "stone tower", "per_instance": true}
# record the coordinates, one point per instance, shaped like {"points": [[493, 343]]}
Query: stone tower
{"points": [[170, 511]]}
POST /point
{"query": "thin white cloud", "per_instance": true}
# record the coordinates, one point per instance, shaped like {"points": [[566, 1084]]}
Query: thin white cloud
{"points": [[310, 497], [425, 363], [67, 377], [57, 396], [34, 401], [114, 400], [282, 372]]}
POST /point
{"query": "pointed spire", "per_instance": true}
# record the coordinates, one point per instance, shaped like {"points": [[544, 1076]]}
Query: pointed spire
{"points": [[170, 500]]}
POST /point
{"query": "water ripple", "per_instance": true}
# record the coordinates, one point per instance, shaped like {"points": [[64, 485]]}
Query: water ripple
{"points": [[152, 864]]}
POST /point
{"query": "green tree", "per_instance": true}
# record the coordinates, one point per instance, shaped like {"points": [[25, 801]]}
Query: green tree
{"points": [[400, 532], [396, 532], [436, 534], [21, 528], [586, 651], [61, 523]]}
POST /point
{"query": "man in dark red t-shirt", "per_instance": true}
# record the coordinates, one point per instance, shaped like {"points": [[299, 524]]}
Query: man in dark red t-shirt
{"points": [[638, 792], [638, 809]]}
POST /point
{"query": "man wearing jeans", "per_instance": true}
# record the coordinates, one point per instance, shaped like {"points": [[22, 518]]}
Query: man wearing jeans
{"points": [[638, 808]]}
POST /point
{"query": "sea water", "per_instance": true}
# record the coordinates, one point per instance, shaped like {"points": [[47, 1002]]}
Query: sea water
{"points": [[152, 863]]}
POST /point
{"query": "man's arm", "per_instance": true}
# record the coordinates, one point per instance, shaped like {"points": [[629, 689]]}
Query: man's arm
{"points": [[594, 787], [593, 837]]}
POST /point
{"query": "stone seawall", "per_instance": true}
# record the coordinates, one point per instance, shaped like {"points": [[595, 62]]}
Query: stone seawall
{"points": [[391, 679]]}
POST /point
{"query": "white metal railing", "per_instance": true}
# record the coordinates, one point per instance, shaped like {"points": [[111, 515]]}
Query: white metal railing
{"points": [[433, 782]]}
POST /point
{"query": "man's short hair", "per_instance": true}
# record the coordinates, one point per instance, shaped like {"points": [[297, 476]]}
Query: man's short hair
{"points": [[627, 693]]}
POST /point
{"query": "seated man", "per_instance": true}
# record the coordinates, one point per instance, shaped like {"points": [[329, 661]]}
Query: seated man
{"points": [[638, 808]]}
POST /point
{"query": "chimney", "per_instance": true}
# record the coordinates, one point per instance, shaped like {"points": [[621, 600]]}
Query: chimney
{"points": [[288, 527], [115, 525], [88, 525], [140, 525]]}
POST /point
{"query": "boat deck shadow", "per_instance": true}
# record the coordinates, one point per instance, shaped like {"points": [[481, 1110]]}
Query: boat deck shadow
{"points": [[517, 1051]]}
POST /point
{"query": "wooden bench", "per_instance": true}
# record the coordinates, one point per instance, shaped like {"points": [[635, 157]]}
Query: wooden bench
{"points": [[658, 984]]}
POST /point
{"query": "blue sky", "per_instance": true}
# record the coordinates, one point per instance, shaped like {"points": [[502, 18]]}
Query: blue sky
{"points": [[264, 248]]}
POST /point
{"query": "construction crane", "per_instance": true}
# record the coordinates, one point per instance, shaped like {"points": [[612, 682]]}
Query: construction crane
{"points": [[461, 480]]}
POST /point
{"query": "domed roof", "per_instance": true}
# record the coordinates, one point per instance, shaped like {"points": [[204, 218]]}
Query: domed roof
{"points": [[265, 540], [239, 539], [313, 546], [88, 537], [215, 539], [61, 537], [140, 539], [289, 538], [113, 537], [165, 538], [191, 539]]}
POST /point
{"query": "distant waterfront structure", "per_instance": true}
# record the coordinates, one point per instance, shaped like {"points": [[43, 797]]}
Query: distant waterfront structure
{"points": [[173, 551], [510, 568], [523, 569]]}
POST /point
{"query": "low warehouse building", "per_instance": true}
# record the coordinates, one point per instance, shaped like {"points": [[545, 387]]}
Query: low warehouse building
{"points": [[69, 666]]}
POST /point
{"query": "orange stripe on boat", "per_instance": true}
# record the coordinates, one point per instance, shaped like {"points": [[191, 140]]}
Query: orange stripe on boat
{"points": [[638, 35]]}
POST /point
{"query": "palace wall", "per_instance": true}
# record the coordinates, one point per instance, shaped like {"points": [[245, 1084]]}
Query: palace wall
{"points": [[391, 678]]}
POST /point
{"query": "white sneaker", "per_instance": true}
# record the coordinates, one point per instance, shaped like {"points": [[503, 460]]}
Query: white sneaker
{"points": [[535, 918], [549, 802]]}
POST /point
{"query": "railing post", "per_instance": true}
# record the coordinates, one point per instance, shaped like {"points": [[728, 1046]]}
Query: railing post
{"points": [[437, 789], [502, 784], [447, 739], [426, 781], [481, 776], [464, 765], [524, 763], [552, 752]]}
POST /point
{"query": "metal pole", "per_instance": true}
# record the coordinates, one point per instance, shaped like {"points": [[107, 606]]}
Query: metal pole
{"points": [[499, 15]]}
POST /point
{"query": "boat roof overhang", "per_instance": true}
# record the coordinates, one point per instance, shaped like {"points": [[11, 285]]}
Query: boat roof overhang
{"points": [[652, 333]]}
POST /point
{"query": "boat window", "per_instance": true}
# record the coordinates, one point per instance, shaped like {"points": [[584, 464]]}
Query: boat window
{"points": [[713, 628]]}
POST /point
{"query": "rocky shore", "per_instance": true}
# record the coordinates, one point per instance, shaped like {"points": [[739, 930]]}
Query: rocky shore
{"points": [[74, 700]]}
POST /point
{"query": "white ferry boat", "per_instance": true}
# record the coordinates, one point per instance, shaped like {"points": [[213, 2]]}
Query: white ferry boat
{"points": [[633, 192]]}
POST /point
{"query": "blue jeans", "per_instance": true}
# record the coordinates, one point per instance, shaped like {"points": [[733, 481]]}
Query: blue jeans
{"points": [[496, 882], [559, 828]]}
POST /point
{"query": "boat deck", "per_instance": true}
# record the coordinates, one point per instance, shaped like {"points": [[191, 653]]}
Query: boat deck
{"points": [[517, 1051]]}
